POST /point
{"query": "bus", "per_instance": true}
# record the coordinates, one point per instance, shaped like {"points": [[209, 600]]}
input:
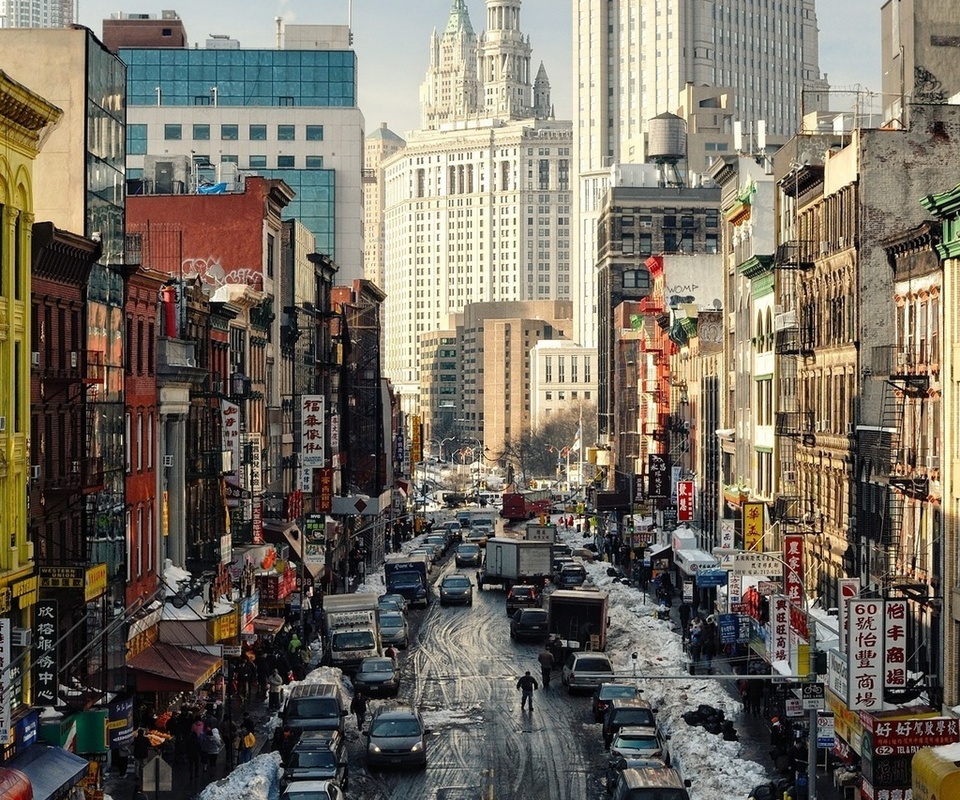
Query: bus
{"points": [[525, 504]]}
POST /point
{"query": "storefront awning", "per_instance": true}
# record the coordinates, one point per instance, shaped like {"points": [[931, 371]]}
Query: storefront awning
{"points": [[659, 551], [267, 624], [689, 561], [50, 769], [167, 668]]}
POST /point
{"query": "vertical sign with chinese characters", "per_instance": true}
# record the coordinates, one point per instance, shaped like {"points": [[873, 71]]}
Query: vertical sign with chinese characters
{"points": [[780, 624], [753, 527], [312, 417], [4, 680], [416, 440], [325, 492], [728, 534], [793, 576], [864, 643], [895, 644], [684, 501], [657, 481], [253, 441], [45, 675], [230, 418]]}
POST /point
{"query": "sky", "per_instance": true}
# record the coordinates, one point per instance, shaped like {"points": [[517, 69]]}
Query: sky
{"points": [[392, 37]]}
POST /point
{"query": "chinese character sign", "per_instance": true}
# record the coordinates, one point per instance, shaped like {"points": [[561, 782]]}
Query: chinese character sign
{"points": [[780, 628], [230, 419], [895, 644], [684, 501], [416, 441], [728, 533], [312, 419], [325, 493], [793, 580], [848, 589], [4, 680], [657, 481], [45, 666], [864, 649], [753, 527]]}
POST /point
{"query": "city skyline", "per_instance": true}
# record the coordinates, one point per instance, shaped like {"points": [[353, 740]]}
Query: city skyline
{"points": [[389, 87]]}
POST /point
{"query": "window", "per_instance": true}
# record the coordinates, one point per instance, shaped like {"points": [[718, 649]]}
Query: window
{"points": [[258, 133], [286, 133], [258, 162], [285, 162], [172, 132], [150, 441], [314, 133], [314, 162], [229, 159], [636, 279], [271, 244], [127, 424], [230, 133], [201, 133], [136, 140], [140, 438]]}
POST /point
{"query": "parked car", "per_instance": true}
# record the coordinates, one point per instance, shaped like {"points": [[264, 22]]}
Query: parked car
{"points": [[319, 755], [583, 671], [312, 790], [618, 764], [467, 555], [394, 629], [456, 588], [479, 534], [439, 539], [314, 707], [528, 623], [561, 549], [377, 677], [392, 602], [571, 576], [453, 530], [559, 564], [522, 596], [623, 713], [606, 692], [396, 737], [644, 742]]}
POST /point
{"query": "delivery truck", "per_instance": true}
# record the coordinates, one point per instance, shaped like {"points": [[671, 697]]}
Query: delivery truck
{"points": [[510, 561], [578, 615], [406, 575], [352, 629]]}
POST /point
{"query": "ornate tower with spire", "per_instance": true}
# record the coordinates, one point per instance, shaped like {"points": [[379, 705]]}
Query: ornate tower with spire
{"points": [[542, 107], [451, 89], [505, 63]]}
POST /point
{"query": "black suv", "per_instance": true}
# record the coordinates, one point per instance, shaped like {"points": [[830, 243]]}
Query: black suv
{"points": [[318, 756], [623, 713], [528, 623], [522, 596]]}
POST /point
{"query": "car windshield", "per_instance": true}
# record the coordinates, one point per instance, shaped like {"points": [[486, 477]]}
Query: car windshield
{"points": [[468, 550], [533, 616], [353, 640], [637, 741], [377, 665], [314, 759], [391, 621], [633, 716], [395, 728], [522, 591], [300, 794], [456, 582], [314, 708], [612, 690], [593, 665]]}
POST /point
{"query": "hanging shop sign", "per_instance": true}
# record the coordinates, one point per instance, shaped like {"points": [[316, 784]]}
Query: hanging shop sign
{"points": [[45, 682], [895, 644], [864, 651], [95, 582], [684, 501], [312, 443], [753, 527], [848, 589], [61, 577], [657, 476]]}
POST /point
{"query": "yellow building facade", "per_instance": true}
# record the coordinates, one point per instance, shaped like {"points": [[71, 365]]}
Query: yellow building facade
{"points": [[24, 119]]}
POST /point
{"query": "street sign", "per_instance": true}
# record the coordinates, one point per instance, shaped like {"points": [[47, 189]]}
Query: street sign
{"points": [[826, 736], [753, 563], [793, 707], [813, 697], [711, 578]]}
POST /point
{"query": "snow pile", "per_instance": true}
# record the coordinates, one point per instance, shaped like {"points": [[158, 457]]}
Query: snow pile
{"points": [[258, 779], [450, 718], [715, 767]]}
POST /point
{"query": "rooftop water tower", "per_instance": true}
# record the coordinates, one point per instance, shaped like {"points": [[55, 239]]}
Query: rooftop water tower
{"points": [[667, 147]]}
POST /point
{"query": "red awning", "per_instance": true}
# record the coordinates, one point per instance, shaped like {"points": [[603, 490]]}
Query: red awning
{"points": [[14, 785], [167, 668]]}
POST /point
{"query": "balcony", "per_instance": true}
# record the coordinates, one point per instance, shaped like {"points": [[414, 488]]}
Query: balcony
{"points": [[795, 424], [790, 342], [794, 255]]}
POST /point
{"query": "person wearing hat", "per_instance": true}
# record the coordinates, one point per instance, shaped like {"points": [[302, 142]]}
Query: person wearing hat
{"points": [[275, 684]]}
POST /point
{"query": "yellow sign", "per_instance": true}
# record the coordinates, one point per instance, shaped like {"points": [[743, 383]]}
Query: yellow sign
{"points": [[753, 527], [846, 723], [165, 514], [96, 582], [225, 627], [25, 591], [5, 601], [416, 442]]}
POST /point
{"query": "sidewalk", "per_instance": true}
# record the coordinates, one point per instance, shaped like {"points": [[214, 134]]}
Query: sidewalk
{"points": [[124, 787]]}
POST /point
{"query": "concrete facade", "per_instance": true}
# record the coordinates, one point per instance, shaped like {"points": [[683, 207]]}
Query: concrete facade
{"points": [[378, 147]]}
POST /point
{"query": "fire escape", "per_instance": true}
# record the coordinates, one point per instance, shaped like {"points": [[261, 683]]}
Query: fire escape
{"points": [[900, 470], [793, 341]]}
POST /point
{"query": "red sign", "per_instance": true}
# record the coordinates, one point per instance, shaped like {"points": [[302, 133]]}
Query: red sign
{"points": [[793, 581], [325, 493], [684, 501], [257, 524]]}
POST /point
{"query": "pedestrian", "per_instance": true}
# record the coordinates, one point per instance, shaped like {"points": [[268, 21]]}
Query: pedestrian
{"points": [[141, 750], [708, 641], [526, 685], [546, 666], [685, 612], [294, 645], [212, 745], [359, 707], [247, 742], [694, 643], [288, 741], [275, 683], [390, 653], [194, 753]]}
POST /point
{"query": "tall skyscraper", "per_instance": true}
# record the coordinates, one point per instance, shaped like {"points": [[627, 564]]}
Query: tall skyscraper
{"points": [[478, 202], [377, 148], [36, 13], [633, 59]]}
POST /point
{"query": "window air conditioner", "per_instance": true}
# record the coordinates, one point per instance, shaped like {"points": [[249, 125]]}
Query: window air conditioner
{"points": [[168, 461], [35, 358], [73, 359], [20, 637]]}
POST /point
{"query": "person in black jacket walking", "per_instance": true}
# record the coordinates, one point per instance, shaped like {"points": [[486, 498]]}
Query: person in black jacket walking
{"points": [[526, 685]]}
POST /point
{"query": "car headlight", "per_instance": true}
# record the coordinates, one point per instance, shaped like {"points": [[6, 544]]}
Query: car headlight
{"points": [[417, 747], [374, 748]]}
